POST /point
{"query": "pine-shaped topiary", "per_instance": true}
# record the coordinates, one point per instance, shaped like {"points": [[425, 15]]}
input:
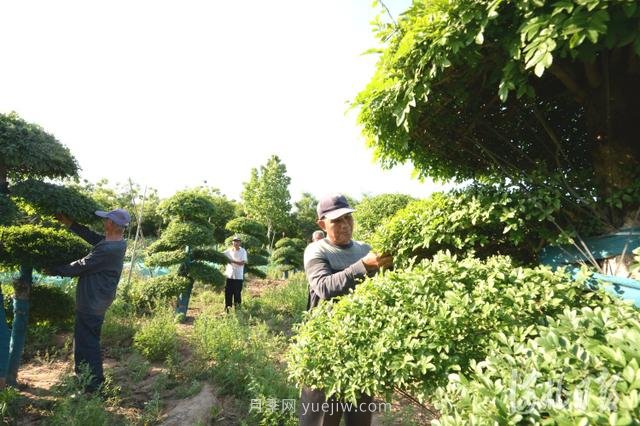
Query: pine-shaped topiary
{"points": [[188, 244], [288, 254], [29, 238]]}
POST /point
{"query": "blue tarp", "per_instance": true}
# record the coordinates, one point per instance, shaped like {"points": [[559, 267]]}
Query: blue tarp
{"points": [[602, 247]]}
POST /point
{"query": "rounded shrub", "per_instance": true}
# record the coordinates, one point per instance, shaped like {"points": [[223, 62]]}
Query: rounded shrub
{"points": [[49, 304], [410, 329]]}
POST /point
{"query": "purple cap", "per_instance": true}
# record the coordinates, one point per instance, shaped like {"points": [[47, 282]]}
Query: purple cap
{"points": [[333, 206], [118, 216]]}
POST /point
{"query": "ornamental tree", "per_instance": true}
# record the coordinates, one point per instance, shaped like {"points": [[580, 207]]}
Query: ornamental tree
{"points": [[187, 245], [288, 254], [254, 238], [266, 197], [29, 237], [524, 91]]}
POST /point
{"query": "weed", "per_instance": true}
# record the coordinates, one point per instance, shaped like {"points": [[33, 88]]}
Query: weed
{"points": [[9, 401], [157, 339]]}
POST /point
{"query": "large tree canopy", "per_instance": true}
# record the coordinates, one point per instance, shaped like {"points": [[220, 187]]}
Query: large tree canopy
{"points": [[471, 89]]}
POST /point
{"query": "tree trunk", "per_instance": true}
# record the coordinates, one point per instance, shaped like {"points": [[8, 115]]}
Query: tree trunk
{"points": [[22, 288], [612, 113]]}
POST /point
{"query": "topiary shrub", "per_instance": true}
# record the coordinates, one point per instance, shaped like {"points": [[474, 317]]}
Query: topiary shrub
{"points": [[145, 295], [49, 304], [27, 155], [187, 244], [288, 254], [582, 368], [410, 329]]}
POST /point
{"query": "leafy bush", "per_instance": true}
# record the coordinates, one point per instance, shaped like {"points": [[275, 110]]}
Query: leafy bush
{"points": [[488, 220], [411, 329], [119, 326], [583, 368], [49, 199], [146, 294], [157, 339], [49, 304], [81, 411], [37, 246], [8, 210], [372, 212]]}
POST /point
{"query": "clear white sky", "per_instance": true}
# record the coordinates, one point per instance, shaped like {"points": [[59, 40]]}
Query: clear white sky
{"points": [[175, 93]]}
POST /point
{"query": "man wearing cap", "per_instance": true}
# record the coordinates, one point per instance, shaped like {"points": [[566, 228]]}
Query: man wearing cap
{"points": [[99, 273], [235, 273], [334, 266]]}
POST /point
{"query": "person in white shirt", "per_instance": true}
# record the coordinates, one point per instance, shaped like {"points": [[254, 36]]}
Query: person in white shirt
{"points": [[235, 274]]}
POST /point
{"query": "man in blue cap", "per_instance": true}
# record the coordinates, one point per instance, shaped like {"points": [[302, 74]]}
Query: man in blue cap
{"points": [[99, 273], [334, 266]]}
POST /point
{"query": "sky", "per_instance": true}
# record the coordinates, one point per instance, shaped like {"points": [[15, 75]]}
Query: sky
{"points": [[184, 93]]}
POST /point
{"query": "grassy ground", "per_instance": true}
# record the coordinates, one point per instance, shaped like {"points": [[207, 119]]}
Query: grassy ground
{"points": [[215, 368]]}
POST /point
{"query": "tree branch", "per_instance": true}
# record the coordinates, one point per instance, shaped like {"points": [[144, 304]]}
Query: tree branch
{"points": [[569, 80]]}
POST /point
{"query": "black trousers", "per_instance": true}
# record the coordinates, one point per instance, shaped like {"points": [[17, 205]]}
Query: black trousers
{"points": [[86, 347], [316, 410], [232, 293]]}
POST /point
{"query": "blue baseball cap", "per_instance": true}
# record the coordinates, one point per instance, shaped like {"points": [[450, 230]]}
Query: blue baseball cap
{"points": [[118, 216]]}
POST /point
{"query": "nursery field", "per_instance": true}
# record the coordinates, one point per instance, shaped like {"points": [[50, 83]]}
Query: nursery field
{"points": [[214, 368]]}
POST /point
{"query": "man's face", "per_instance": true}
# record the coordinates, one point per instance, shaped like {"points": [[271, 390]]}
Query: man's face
{"points": [[236, 244], [338, 230]]}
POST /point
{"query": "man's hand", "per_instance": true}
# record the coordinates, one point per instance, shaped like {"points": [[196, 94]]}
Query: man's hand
{"points": [[64, 219], [374, 261]]}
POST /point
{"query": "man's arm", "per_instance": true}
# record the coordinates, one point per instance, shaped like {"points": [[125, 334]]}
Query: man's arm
{"points": [[82, 231], [90, 263], [86, 234], [327, 284]]}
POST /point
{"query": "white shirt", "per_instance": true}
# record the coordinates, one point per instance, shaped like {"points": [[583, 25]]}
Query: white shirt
{"points": [[233, 271]]}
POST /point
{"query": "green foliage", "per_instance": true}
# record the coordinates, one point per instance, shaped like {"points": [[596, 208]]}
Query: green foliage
{"points": [[188, 206], [8, 210], [128, 196], [266, 197], [281, 307], [206, 273], [249, 242], [288, 254], [119, 326], [372, 212], [9, 402], [40, 247], [179, 234], [483, 219], [49, 199], [49, 304], [209, 255], [305, 216], [26, 150], [81, 411], [583, 368], [244, 358], [246, 226], [146, 294], [470, 89], [411, 329], [157, 339]]}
